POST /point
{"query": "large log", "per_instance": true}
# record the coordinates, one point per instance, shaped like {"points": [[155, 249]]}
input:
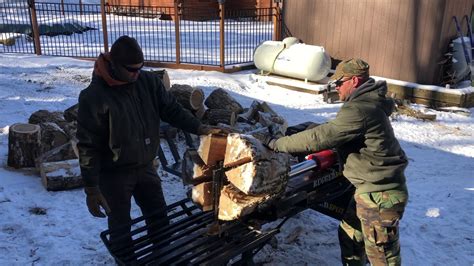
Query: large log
{"points": [[202, 195], [243, 148], [256, 170], [189, 97], [44, 116], [220, 99], [212, 148], [234, 204], [61, 175], [194, 170], [70, 114], [216, 116], [52, 136], [24, 145], [163, 75]]}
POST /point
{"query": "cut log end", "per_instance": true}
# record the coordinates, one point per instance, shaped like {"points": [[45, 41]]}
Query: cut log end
{"points": [[24, 145]]}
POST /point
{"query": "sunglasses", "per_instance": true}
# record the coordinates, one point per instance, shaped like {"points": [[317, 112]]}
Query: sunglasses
{"points": [[133, 69], [335, 83]]}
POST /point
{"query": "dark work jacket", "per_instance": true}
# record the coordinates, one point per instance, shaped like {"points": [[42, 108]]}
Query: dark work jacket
{"points": [[361, 131], [118, 127]]}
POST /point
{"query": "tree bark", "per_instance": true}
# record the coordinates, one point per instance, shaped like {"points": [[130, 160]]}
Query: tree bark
{"points": [[220, 99], [52, 136], [256, 170], [189, 97], [234, 204], [24, 145], [61, 175], [216, 116]]}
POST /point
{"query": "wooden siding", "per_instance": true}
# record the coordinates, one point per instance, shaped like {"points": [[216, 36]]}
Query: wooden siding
{"points": [[400, 39]]}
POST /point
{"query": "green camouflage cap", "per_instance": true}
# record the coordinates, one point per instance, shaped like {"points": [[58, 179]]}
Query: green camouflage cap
{"points": [[352, 67]]}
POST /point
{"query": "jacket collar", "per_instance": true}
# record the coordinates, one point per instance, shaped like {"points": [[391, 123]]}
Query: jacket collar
{"points": [[102, 70]]}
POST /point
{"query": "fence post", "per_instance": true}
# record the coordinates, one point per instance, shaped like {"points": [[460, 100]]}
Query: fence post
{"points": [[104, 26], [80, 6], [34, 26], [62, 7], [276, 22], [176, 31], [221, 30]]}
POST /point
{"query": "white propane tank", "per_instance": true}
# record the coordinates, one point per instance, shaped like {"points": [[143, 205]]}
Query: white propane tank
{"points": [[266, 53], [293, 59]]}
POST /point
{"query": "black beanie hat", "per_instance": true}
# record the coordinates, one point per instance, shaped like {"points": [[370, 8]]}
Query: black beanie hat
{"points": [[126, 51]]}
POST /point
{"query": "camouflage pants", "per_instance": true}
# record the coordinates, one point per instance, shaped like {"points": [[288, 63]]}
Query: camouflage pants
{"points": [[369, 229]]}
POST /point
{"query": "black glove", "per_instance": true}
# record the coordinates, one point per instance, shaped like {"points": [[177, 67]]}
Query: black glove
{"points": [[94, 200], [269, 142], [207, 129]]}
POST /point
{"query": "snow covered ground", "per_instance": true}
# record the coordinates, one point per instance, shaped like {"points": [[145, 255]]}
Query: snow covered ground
{"points": [[437, 228]]}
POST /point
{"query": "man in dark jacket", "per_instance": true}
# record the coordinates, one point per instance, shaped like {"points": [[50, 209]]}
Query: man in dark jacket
{"points": [[118, 132], [374, 162]]}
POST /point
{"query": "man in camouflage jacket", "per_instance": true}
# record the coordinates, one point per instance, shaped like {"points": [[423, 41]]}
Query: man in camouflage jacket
{"points": [[118, 132], [374, 162]]}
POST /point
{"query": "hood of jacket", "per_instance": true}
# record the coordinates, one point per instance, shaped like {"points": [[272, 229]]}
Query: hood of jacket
{"points": [[374, 91], [102, 70]]}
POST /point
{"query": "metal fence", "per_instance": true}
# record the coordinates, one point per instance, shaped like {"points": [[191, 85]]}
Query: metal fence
{"points": [[15, 28], [212, 38]]}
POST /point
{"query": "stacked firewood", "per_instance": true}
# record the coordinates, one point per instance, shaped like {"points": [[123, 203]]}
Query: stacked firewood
{"points": [[47, 142]]}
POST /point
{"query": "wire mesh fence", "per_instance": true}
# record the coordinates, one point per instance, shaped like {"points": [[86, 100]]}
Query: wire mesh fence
{"points": [[244, 31], [153, 27], [182, 36], [69, 29], [199, 38], [15, 28]]}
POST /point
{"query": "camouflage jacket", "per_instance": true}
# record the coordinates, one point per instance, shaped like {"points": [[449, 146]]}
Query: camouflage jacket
{"points": [[372, 157], [118, 127]]}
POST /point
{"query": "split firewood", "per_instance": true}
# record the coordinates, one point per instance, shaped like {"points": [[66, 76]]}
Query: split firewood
{"points": [[277, 123], [202, 196], [249, 116], [61, 175], [52, 136], [67, 151], [216, 116], [189, 97], [234, 204], [24, 145], [221, 99], [257, 170], [194, 169], [264, 107], [212, 148]]}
